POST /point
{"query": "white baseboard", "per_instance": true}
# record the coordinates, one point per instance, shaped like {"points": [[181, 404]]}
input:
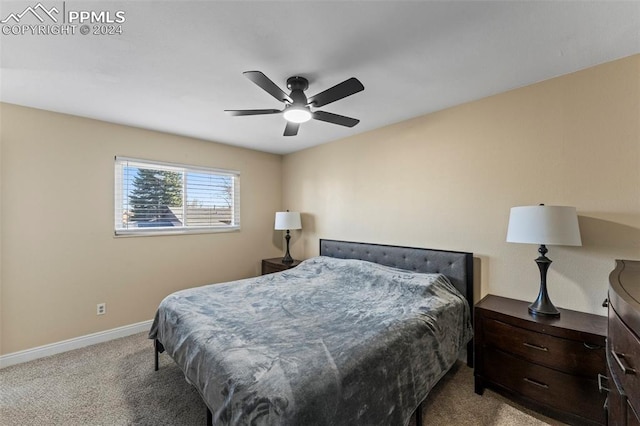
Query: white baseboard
{"points": [[75, 343]]}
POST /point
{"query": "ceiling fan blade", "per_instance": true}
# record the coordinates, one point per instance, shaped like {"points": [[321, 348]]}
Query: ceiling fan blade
{"points": [[334, 118], [291, 129], [251, 111], [337, 92], [267, 85]]}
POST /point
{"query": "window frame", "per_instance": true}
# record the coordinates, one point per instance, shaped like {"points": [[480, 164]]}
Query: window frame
{"points": [[121, 162]]}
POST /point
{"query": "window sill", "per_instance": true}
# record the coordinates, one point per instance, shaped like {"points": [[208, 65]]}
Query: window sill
{"points": [[124, 233]]}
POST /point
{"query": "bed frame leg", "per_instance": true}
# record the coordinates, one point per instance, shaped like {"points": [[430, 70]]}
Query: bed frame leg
{"points": [[156, 352], [209, 418], [419, 415]]}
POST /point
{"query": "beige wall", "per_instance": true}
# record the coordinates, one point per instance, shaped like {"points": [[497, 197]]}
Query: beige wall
{"points": [[59, 255], [447, 180], [444, 180]]}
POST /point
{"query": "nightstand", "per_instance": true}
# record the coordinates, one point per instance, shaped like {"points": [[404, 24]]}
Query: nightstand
{"points": [[549, 364], [269, 266]]}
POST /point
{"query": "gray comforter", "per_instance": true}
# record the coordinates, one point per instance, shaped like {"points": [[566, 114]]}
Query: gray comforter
{"points": [[330, 342]]}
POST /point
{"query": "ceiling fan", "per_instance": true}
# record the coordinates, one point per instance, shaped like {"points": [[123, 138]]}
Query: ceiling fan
{"points": [[297, 108]]}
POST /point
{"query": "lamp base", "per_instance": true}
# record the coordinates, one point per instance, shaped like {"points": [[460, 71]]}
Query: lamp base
{"points": [[287, 259], [543, 308], [542, 305]]}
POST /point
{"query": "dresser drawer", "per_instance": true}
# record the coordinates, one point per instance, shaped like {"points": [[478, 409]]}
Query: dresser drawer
{"points": [[624, 352], [570, 356], [616, 404], [573, 394], [633, 419], [268, 268]]}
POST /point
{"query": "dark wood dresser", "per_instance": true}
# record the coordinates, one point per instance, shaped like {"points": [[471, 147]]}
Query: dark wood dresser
{"points": [[549, 364], [623, 344]]}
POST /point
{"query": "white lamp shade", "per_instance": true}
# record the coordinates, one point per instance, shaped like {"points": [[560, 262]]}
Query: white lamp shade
{"points": [[288, 220], [549, 225]]}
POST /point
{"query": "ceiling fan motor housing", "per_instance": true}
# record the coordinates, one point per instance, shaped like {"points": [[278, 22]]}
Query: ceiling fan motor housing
{"points": [[298, 85]]}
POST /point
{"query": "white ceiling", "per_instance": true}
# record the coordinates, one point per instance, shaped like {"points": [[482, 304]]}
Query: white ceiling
{"points": [[179, 64]]}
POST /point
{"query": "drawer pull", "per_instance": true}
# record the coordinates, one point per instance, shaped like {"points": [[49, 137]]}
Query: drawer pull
{"points": [[602, 387], [619, 357], [540, 348], [537, 383], [588, 346]]}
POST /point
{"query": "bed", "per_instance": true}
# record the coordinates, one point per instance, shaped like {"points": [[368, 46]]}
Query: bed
{"points": [[357, 335]]}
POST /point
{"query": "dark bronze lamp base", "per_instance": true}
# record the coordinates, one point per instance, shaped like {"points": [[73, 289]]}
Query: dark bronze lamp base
{"points": [[542, 305], [287, 259]]}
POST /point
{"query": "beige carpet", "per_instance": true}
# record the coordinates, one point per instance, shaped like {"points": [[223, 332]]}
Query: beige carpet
{"points": [[114, 384], [453, 402]]}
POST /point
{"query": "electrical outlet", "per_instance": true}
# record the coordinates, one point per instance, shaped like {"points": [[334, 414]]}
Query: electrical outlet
{"points": [[101, 309]]}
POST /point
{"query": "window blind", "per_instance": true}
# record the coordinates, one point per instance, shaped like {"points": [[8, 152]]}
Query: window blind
{"points": [[155, 197]]}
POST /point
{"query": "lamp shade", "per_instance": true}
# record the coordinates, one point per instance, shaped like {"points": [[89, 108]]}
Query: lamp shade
{"points": [[287, 220], [548, 225]]}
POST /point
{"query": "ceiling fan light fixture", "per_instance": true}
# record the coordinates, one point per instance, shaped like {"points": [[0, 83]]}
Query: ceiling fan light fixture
{"points": [[297, 114], [296, 104]]}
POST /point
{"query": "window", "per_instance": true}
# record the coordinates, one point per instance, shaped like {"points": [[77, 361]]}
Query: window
{"points": [[161, 198]]}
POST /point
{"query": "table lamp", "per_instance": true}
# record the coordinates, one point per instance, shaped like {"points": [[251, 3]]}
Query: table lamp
{"points": [[287, 220], [544, 225]]}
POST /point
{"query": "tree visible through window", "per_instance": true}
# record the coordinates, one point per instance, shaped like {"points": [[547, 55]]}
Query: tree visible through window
{"points": [[154, 193], [162, 197]]}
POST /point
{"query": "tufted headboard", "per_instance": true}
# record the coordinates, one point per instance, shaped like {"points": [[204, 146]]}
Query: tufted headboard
{"points": [[456, 265]]}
